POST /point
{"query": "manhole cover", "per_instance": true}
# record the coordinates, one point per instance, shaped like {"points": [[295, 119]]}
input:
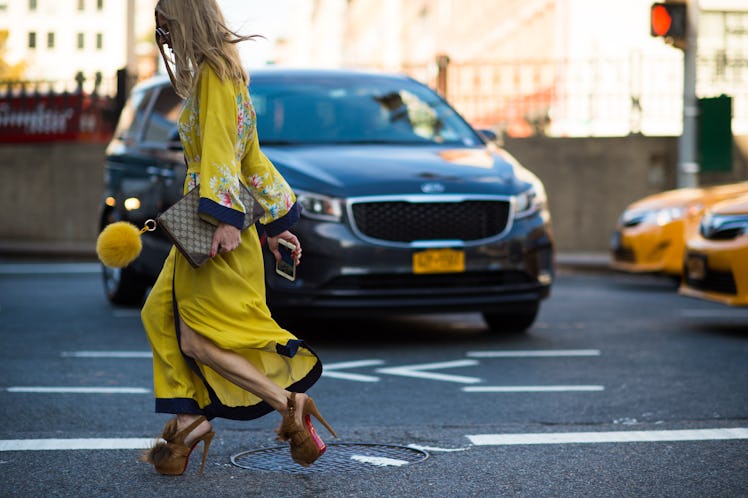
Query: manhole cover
{"points": [[339, 457]]}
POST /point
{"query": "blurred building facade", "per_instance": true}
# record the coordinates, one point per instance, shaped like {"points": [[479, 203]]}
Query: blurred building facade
{"points": [[528, 67], [522, 67], [54, 40]]}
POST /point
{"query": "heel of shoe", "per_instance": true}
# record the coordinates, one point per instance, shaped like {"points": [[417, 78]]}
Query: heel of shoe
{"points": [[321, 446], [311, 408], [170, 455], [207, 439]]}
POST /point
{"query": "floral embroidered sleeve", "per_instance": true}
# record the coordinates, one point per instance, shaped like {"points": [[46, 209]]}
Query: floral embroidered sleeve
{"points": [[270, 189], [220, 168]]}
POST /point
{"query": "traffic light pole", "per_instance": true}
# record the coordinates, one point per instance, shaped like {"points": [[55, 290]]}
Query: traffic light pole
{"points": [[688, 162]]}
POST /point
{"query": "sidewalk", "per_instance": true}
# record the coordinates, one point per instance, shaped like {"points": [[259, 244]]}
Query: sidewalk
{"points": [[591, 261]]}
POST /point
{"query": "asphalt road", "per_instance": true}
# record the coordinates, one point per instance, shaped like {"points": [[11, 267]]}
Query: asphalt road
{"points": [[621, 388]]}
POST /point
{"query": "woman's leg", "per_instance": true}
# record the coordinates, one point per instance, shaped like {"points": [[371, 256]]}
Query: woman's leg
{"points": [[306, 446], [233, 367]]}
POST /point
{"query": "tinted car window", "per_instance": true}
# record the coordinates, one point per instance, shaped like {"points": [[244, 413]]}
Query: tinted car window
{"points": [[164, 116], [326, 111], [132, 115]]}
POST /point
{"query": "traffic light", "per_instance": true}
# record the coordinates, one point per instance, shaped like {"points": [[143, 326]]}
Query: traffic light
{"points": [[668, 20]]}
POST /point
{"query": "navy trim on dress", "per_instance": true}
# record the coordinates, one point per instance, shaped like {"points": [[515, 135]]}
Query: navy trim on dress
{"points": [[290, 348], [285, 222], [221, 213], [178, 405], [217, 409]]}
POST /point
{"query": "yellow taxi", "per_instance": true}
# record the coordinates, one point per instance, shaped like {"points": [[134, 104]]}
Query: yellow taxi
{"points": [[651, 233], [716, 262]]}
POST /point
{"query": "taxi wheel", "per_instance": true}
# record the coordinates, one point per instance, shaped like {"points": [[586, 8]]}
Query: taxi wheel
{"points": [[513, 322]]}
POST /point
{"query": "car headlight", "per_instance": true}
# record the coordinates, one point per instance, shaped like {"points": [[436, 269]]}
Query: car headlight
{"points": [[132, 203], [665, 216], [633, 217], [530, 201], [319, 207], [723, 227]]}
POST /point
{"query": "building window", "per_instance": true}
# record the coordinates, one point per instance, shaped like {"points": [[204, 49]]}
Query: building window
{"points": [[32, 39], [50, 40], [81, 42], [32, 4], [99, 41]]}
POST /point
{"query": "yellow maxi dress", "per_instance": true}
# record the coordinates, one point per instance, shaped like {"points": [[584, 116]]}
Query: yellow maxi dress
{"points": [[224, 300]]}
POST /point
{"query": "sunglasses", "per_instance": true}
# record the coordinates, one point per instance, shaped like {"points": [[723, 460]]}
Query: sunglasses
{"points": [[162, 35]]}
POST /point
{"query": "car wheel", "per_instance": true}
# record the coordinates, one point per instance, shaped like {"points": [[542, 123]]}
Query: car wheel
{"points": [[123, 287], [516, 321]]}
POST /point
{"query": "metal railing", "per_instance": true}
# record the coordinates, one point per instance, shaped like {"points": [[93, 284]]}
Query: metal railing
{"points": [[46, 110], [596, 97]]}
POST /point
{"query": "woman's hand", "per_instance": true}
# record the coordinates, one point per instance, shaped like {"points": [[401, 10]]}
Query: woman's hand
{"points": [[226, 238], [288, 237]]}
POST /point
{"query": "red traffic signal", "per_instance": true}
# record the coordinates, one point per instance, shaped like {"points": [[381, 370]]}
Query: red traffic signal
{"points": [[668, 20]]}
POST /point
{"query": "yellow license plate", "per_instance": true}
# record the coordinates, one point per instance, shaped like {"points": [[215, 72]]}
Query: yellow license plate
{"points": [[439, 261]]}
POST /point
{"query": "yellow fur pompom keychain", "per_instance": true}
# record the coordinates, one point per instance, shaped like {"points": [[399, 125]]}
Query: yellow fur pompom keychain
{"points": [[119, 243]]}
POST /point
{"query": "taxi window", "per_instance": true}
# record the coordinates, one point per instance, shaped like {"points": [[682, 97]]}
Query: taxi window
{"points": [[163, 119]]}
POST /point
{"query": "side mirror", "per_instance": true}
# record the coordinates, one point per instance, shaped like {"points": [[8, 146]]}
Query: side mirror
{"points": [[489, 135], [173, 142]]}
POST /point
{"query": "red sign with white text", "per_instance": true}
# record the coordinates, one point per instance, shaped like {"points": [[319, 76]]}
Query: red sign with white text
{"points": [[32, 118]]}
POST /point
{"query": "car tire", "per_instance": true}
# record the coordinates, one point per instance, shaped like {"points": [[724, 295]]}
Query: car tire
{"points": [[512, 322], [123, 286]]}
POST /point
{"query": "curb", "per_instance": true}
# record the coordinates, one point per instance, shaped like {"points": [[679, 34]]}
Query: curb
{"points": [[590, 261], [47, 250]]}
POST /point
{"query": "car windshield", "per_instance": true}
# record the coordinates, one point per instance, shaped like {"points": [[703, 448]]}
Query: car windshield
{"points": [[354, 111]]}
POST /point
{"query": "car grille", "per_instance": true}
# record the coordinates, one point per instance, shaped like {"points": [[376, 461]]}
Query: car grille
{"points": [[404, 221], [714, 281], [624, 254]]}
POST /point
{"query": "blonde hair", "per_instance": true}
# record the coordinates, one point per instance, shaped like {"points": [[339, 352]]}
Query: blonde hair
{"points": [[199, 35]]}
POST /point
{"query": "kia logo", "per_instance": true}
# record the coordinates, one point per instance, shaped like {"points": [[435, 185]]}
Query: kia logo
{"points": [[432, 188]]}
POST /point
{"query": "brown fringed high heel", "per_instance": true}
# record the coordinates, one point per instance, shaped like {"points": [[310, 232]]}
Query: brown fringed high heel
{"points": [[170, 456], [306, 445]]}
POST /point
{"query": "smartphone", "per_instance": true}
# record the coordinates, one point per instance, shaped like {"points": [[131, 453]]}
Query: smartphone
{"points": [[286, 267]]}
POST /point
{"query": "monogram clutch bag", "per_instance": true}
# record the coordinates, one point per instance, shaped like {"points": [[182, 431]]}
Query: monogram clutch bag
{"points": [[192, 235]]}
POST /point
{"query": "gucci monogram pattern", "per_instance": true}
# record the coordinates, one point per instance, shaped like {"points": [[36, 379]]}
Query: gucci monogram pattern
{"points": [[192, 235]]}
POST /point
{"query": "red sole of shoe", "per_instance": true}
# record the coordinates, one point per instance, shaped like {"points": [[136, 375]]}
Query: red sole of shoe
{"points": [[321, 446]]}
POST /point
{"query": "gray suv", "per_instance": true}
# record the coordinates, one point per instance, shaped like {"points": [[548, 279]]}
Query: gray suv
{"points": [[406, 208]]}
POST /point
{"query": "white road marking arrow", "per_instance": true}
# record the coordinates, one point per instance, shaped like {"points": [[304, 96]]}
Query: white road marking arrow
{"points": [[331, 370], [417, 371]]}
